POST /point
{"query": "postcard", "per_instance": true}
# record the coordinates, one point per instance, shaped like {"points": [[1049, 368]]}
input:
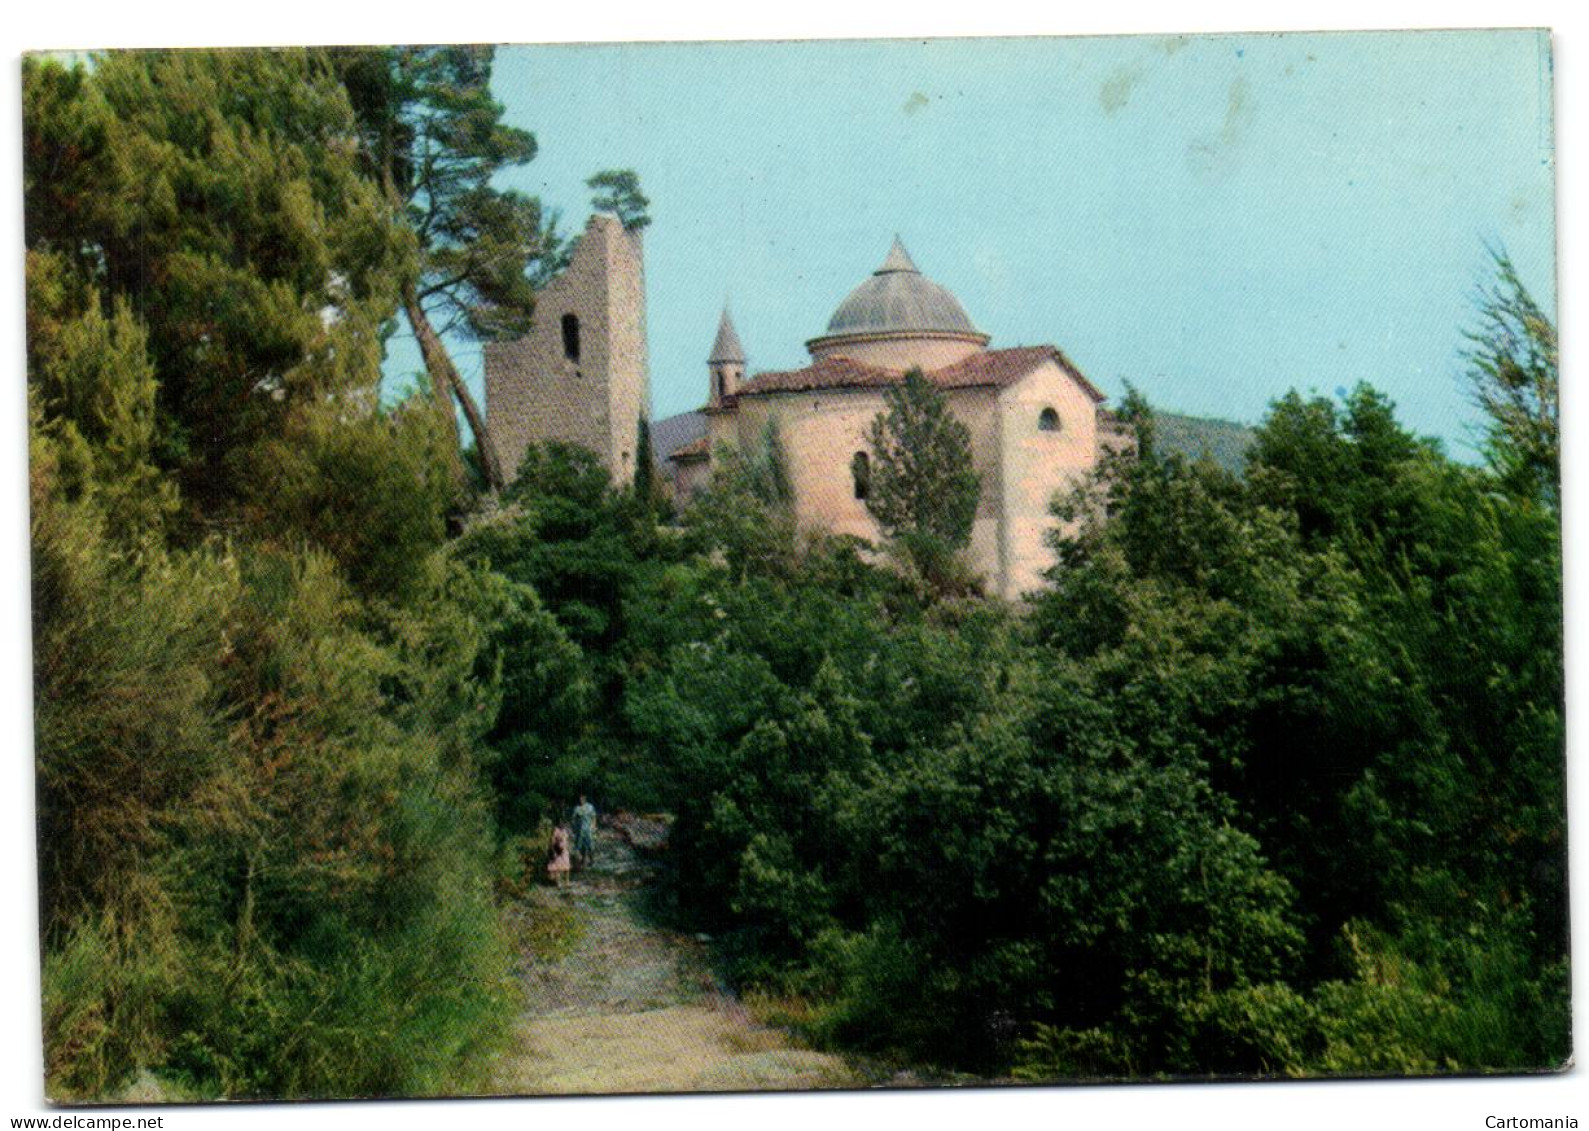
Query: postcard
{"points": [[737, 567]]}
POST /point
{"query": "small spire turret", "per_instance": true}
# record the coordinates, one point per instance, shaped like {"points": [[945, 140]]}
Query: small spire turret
{"points": [[726, 347], [727, 362]]}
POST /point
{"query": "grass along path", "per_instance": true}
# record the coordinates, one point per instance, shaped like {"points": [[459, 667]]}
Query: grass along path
{"points": [[615, 1004]]}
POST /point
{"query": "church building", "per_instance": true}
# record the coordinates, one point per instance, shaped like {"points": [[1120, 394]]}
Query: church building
{"points": [[1035, 421], [581, 376]]}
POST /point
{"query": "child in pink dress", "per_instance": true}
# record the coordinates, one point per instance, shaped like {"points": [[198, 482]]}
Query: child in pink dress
{"points": [[557, 862]]}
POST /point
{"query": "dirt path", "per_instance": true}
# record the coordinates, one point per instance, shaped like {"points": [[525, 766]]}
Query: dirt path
{"points": [[615, 1004]]}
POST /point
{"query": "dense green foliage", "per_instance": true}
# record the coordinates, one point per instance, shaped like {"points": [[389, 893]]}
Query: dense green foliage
{"points": [[206, 195], [265, 686], [1267, 778], [1362, 642]]}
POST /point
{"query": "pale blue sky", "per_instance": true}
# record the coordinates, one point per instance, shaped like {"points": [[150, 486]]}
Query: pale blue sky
{"points": [[1216, 219]]}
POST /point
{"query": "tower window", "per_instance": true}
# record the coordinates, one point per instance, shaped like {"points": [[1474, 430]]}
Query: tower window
{"points": [[722, 386], [1048, 421], [861, 472], [571, 337]]}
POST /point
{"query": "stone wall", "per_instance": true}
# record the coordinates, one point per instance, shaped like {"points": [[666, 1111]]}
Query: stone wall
{"points": [[542, 388], [628, 383]]}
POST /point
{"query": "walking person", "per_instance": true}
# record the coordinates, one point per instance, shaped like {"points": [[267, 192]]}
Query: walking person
{"points": [[584, 832]]}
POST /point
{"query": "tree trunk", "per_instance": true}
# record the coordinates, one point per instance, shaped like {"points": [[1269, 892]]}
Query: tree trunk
{"points": [[445, 383], [489, 460]]}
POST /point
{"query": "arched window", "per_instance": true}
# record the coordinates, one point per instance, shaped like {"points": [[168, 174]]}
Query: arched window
{"points": [[1048, 421], [861, 472], [571, 337], [722, 385]]}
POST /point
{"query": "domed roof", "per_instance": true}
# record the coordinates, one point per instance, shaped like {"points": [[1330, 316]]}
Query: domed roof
{"points": [[898, 298]]}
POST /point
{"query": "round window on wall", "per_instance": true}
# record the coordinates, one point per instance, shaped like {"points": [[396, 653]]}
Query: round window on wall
{"points": [[1048, 421]]}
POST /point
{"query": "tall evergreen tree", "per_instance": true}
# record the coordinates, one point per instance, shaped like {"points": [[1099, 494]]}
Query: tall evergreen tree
{"points": [[921, 486], [201, 192], [645, 472], [434, 138]]}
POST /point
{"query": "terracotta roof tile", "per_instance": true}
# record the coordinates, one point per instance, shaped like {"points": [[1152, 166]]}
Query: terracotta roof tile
{"points": [[829, 373], [670, 433], [996, 368], [990, 367], [695, 449]]}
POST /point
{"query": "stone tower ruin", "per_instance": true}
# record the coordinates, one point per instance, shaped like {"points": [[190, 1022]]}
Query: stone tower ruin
{"points": [[581, 375]]}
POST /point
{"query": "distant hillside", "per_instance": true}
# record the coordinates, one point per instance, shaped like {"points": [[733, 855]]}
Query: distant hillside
{"points": [[1225, 441], [671, 433]]}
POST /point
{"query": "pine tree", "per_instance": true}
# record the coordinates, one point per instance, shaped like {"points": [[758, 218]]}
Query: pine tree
{"points": [[259, 822], [197, 191], [433, 137], [618, 192]]}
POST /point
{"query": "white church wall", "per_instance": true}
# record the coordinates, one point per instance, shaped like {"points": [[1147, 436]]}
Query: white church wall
{"points": [[1038, 464], [820, 433], [822, 430]]}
